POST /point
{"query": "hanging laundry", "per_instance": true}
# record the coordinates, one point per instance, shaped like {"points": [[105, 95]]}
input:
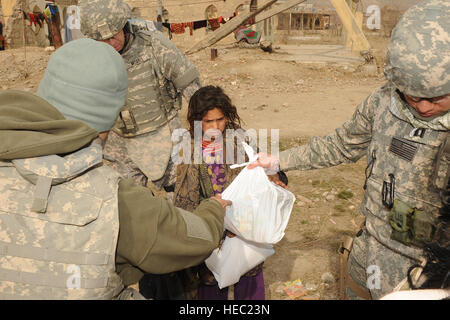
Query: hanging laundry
{"points": [[32, 19], [189, 25], [47, 13], [54, 27], [73, 17], [177, 28], [222, 20], [247, 35], [43, 17], [53, 9], [200, 24], [2, 39], [67, 34], [73, 24], [38, 19], [214, 24]]}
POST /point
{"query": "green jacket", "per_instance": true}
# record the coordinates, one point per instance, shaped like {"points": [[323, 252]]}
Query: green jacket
{"points": [[154, 236]]}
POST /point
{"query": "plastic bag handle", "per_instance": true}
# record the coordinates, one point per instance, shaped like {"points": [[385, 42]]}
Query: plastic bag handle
{"points": [[251, 155]]}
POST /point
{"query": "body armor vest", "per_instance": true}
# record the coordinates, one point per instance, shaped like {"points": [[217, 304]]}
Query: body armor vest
{"points": [[402, 165], [152, 99], [59, 227]]}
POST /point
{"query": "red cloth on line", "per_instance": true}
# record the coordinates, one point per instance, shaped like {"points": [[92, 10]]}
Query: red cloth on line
{"points": [[214, 23], [32, 19], [189, 25], [177, 28]]}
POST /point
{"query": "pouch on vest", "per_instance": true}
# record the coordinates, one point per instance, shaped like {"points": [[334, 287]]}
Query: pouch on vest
{"points": [[410, 226]]}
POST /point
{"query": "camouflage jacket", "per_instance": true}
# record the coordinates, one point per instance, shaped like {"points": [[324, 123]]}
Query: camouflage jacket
{"points": [[59, 227], [50, 227], [158, 73], [392, 145]]}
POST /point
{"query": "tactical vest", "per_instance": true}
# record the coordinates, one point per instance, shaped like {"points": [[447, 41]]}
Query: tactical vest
{"points": [[152, 99], [59, 227], [401, 183]]}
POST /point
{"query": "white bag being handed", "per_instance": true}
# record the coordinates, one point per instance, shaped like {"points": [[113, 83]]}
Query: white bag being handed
{"points": [[235, 258], [260, 209]]}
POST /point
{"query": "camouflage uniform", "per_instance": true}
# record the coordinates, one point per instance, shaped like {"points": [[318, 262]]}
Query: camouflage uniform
{"points": [[140, 145], [69, 227], [395, 142], [81, 208]]}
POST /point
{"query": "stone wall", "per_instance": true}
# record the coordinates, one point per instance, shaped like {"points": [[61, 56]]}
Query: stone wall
{"points": [[178, 11], [184, 10], [14, 26]]}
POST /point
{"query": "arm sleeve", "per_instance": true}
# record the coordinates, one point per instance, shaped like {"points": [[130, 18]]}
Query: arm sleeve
{"points": [[175, 66], [190, 89], [157, 237], [347, 144]]}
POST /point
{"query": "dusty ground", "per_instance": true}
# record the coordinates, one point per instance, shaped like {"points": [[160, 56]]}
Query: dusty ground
{"points": [[299, 99]]}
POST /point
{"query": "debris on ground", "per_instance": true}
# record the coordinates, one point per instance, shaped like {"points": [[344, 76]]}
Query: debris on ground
{"points": [[297, 291]]}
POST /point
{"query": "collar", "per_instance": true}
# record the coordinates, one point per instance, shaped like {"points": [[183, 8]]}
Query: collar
{"points": [[402, 110]]}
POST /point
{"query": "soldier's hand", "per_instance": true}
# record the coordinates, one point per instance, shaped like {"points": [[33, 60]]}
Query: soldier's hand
{"points": [[270, 163], [224, 203]]}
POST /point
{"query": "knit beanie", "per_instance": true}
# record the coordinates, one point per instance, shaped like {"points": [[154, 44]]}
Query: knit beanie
{"points": [[86, 80]]}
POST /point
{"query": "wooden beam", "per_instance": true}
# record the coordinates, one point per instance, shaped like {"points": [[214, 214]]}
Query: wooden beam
{"points": [[359, 19], [277, 9], [359, 40], [226, 29], [290, 23]]}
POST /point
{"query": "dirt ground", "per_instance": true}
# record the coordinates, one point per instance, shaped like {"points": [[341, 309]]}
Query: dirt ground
{"points": [[299, 99]]}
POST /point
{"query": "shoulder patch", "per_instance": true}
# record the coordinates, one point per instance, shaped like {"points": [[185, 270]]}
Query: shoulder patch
{"points": [[196, 227]]}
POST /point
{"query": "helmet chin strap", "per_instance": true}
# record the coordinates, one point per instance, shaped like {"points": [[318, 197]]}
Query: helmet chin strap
{"points": [[128, 33]]}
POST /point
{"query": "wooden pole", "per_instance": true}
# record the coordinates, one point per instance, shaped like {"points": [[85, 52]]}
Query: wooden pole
{"points": [[24, 43], [359, 40], [277, 9], [290, 23]]}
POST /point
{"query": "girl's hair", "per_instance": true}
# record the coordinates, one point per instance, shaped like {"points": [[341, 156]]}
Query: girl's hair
{"points": [[208, 98]]}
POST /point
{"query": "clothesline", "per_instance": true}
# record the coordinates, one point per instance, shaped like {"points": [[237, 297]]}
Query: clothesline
{"points": [[177, 5], [174, 28], [37, 18], [213, 24]]}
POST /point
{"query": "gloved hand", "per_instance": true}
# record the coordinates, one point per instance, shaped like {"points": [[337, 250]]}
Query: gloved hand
{"points": [[270, 163]]}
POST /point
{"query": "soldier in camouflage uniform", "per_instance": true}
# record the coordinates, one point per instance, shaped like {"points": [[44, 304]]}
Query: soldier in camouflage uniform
{"points": [[70, 227], [140, 144], [403, 130]]}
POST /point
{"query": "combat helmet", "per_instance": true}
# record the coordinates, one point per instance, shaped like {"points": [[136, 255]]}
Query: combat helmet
{"points": [[102, 19], [418, 60]]}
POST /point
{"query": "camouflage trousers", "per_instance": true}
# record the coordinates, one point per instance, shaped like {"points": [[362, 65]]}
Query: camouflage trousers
{"points": [[375, 267], [116, 156]]}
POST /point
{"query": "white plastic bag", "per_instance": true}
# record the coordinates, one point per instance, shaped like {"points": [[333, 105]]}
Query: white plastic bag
{"points": [[235, 258], [261, 209]]}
